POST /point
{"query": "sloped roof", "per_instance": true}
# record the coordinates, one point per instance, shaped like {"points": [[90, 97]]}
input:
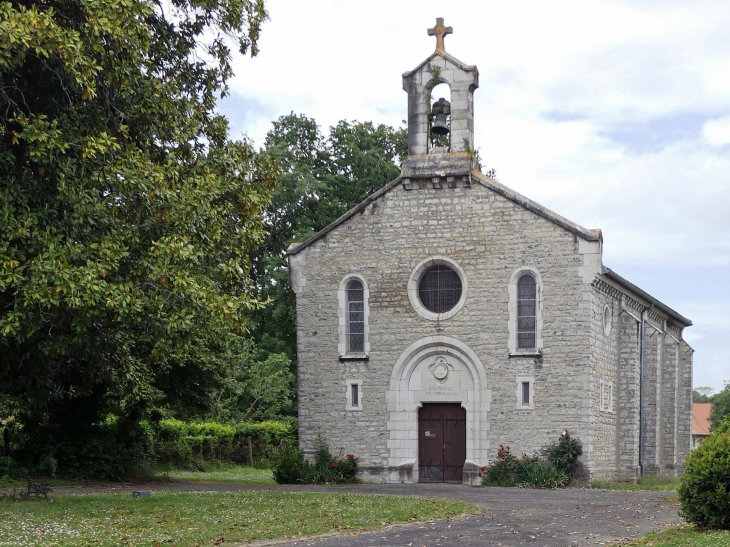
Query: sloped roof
{"points": [[701, 418], [608, 272], [588, 235]]}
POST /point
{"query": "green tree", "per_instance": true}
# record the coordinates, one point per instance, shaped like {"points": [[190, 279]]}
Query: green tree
{"points": [[702, 394], [127, 216], [720, 406], [323, 178]]}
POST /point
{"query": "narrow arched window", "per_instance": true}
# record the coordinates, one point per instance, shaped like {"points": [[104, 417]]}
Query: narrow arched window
{"points": [[526, 312], [355, 317]]}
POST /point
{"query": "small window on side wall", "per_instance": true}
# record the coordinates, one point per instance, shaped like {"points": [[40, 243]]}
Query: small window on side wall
{"points": [[605, 392], [525, 393], [353, 395]]}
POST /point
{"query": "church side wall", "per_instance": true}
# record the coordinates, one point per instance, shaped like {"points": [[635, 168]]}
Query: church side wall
{"points": [[652, 399], [605, 356], [669, 416], [627, 398], [684, 404], [667, 389], [489, 237]]}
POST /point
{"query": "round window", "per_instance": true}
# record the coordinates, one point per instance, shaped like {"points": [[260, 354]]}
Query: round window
{"points": [[439, 288]]}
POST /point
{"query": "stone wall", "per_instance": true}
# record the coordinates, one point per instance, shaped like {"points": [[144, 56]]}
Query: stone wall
{"points": [[627, 399], [489, 237], [605, 352], [589, 331]]}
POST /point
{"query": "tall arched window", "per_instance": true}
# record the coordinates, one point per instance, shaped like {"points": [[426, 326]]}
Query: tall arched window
{"points": [[352, 315], [526, 312], [355, 317]]}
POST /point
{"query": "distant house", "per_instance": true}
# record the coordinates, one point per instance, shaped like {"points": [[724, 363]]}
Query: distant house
{"points": [[700, 422]]}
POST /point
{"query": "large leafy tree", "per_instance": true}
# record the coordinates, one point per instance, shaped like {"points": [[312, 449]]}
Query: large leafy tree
{"points": [[127, 216], [324, 176], [720, 406]]}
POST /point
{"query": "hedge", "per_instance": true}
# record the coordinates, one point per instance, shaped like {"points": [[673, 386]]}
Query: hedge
{"points": [[190, 444]]}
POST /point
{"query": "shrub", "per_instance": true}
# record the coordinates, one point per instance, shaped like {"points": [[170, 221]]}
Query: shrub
{"points": [[498, 472], [48, 465], [6, 466], [540, 474], [509, 470], [288, 466], [111, 449], [704, 493], [291, 467], [563, 454]]}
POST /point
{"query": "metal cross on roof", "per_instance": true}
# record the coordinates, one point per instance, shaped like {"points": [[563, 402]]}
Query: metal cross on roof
{"points": [[439, 31]]}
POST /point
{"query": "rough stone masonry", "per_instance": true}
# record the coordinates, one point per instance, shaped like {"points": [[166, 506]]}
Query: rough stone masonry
{"points": [[446, 290]]}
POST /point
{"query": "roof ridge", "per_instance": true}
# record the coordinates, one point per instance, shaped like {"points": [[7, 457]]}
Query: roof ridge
{"points": [[443, 55], [586, 233], [487, 182]]}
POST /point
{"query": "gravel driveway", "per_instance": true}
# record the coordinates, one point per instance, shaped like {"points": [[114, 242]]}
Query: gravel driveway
{"points": [[511, 517]]}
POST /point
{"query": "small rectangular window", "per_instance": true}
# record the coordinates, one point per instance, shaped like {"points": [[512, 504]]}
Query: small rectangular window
{"points": [[525, 393], [610, 397], [600, 396], [353, 394]]}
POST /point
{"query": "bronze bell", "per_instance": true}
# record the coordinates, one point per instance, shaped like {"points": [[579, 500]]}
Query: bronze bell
{"points": [[439, 127], [440, 110]]}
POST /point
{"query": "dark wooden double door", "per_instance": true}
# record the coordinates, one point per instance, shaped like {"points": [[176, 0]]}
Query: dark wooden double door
{"points": [[441, 442]]}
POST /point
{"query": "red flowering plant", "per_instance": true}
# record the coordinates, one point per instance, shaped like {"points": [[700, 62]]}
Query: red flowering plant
{"points": [[552, 472], [500, 472]]}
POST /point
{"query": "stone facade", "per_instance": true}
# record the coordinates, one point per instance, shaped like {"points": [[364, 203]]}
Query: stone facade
{"points": [[595, 330]]}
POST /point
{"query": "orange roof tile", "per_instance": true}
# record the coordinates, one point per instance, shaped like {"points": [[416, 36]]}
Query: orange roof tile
{"points": [[701, 418]]}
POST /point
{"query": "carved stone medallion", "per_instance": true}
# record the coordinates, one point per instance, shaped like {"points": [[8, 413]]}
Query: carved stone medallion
{"points": [[440, 369]]}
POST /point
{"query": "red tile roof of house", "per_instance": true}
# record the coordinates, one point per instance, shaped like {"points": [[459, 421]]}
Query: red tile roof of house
{"points": [[701, 418]]}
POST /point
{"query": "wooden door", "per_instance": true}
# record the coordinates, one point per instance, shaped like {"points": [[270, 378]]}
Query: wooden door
{"points": [[441, 442]]}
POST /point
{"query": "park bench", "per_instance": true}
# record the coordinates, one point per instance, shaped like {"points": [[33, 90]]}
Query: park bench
{"points": [[41, 488]]}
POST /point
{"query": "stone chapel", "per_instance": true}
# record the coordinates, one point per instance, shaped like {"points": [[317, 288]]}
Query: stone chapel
{"points": [[447, 314]]}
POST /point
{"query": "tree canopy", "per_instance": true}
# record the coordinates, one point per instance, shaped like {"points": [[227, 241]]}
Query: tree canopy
{"points": [[324, 177], [720, 406], [127, 215]]}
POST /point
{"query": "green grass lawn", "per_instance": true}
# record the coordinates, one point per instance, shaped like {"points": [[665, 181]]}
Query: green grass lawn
{"points": [[221, 472], [684, 537], [657, 484], [191, 519], [224, 472]]}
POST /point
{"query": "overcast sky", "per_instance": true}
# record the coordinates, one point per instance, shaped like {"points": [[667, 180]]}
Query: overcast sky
{"points": [[614, 114]]}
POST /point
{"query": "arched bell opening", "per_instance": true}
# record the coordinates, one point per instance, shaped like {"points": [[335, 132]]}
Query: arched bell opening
{"points": [[439, 114]]}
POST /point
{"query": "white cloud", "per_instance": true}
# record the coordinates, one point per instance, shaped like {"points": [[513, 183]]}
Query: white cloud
{"points": [[717, 132], [613, 113]]}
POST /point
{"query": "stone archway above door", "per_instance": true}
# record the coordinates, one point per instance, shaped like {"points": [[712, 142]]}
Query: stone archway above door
{"points": [[435, 369]]}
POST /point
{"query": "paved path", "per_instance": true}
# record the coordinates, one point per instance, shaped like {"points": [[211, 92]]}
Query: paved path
{"points": [[512, 516]]}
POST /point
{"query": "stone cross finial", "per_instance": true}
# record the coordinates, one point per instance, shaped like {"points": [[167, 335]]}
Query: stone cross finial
{"points": [[439, 31]]}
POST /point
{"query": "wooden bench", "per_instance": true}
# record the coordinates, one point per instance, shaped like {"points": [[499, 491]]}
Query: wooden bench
{"points": [[42, 488]]}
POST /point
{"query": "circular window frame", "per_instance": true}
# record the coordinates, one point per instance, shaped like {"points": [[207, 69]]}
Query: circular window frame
{"points": [[607, 318], [415, 280]]}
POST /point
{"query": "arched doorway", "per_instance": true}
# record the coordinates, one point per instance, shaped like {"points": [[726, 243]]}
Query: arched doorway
{"points": [[436, 370]]}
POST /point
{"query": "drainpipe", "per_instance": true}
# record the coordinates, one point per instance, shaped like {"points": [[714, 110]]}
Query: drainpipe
{"points": [[641, 389]]}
